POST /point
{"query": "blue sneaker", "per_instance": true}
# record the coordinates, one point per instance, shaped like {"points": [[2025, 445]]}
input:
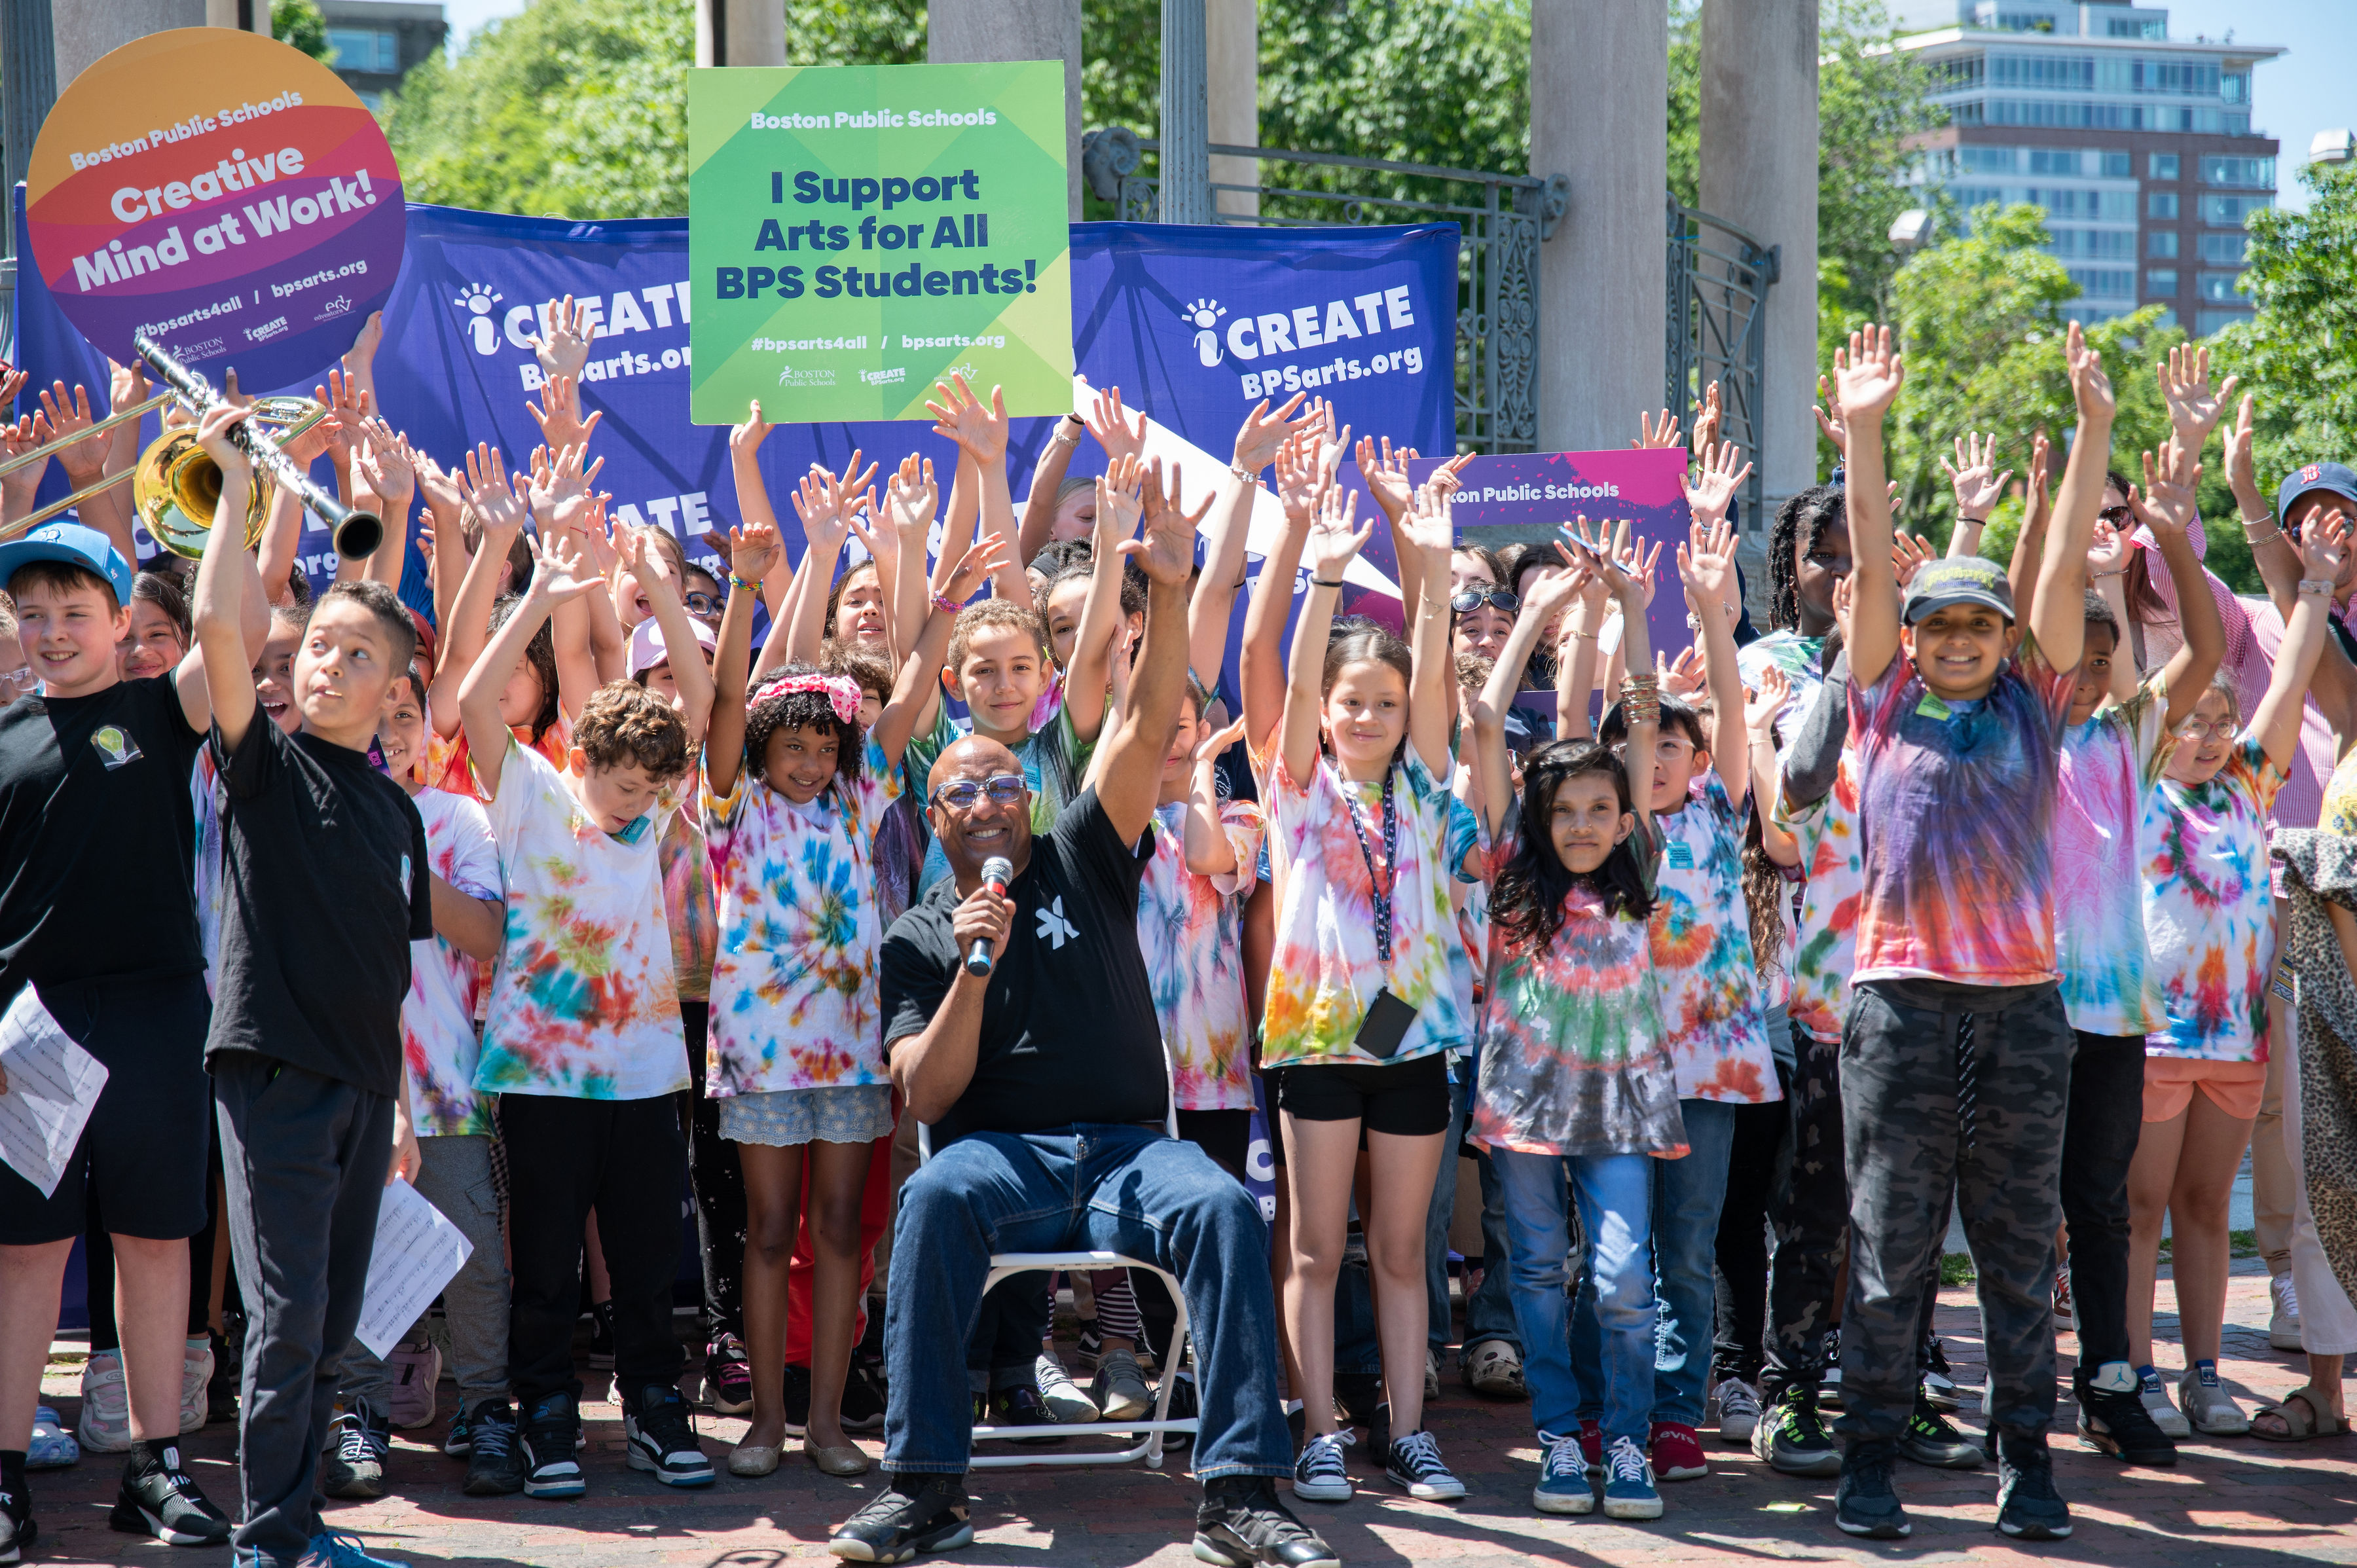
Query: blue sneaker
{"points": [[1563, 1476], [334, 1549], [1628, 1482]]}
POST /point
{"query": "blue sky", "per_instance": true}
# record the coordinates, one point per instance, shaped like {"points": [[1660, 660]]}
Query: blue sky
{"points": [[2297, 94]]}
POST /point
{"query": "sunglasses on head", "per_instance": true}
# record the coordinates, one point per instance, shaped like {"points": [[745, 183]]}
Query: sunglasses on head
{"points": [[1475, 595], [965, 794]]}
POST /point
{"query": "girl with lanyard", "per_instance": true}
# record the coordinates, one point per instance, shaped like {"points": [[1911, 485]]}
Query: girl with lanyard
{"points": [[1360, 1013]]}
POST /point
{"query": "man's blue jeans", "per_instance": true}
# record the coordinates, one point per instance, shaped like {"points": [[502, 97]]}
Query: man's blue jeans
{"points": [[1489, 1311], [1687, 1193], [1615, 1196], [1123, 1189]]}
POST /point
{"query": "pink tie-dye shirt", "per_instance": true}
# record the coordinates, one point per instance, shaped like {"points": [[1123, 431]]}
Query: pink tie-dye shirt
{"points": [[437, 1017], [2109, 764], [1190, 929]]}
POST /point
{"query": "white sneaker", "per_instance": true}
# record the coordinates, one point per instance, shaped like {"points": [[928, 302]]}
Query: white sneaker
{"points": [[196, 1373], [1120, 1390], [415, 1369], [2208, 1407], [105, 1423], [2160, 1407], [1064, 1398], [1738, 1409], [2283, 1323]]}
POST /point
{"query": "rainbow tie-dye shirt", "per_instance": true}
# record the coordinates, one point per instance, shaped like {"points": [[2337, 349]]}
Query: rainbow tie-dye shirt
{"points": [[1825, 948], [2109, 766], [1702, 953], [2209, 914], [1190, 928]]}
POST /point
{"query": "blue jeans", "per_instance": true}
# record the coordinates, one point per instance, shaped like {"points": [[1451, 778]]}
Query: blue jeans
{"points": [[1615, 1196], [1489, 1311], [1687, 1193], [1113, 1188]]}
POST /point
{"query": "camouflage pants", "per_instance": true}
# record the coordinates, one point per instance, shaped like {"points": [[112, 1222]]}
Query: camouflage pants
{"points": [[1811, 1221], [1965, 1085]]}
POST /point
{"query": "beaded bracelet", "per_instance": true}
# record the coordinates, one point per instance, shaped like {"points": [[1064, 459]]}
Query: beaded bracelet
{"points": [[943, 602]]}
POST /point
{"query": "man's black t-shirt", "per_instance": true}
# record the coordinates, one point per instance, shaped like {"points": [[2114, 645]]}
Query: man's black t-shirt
{"points": [[98, 840], [328, 883], [1069, 1030]]}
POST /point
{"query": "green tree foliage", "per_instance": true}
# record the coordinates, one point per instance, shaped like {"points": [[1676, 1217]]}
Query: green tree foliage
{"points": [[300, 24], [2298, 354]]}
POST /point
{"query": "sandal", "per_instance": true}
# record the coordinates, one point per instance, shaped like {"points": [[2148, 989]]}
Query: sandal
{"points": [[2300, 1425]]}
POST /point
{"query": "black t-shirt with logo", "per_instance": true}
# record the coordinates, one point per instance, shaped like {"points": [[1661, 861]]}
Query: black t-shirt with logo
{"points": [[325, 885], [1069, 1030], [98, 837]]}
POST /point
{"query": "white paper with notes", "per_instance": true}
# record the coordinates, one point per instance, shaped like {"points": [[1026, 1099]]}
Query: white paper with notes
{"points": [[417, 1252], [52, 1085]]}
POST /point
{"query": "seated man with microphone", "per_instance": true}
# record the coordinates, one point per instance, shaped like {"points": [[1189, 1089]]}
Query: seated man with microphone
{"points": [[1021, 1028]]}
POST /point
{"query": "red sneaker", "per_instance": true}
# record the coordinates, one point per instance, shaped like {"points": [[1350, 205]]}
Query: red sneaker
{"points": [[1591, 1441], [1677, 1453]]}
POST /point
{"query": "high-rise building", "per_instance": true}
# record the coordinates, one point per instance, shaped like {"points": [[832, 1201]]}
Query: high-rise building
{"points": [[376, 42], [2138, 146]]}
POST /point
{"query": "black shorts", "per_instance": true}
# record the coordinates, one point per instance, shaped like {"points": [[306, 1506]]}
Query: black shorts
{"points": [[1225, 1135], [1408, 1099], [142, 1151]]}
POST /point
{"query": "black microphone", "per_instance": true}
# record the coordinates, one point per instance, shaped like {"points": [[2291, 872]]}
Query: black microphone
{"points": [[997, 873]]}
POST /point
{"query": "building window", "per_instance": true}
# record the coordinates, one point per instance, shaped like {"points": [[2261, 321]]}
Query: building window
{"points": [[2251, 174], [2209, 321], [2167, 318], [2115, 165], [2235, 87], [2161, 280], [2160, 165], [1989, 160], [2063, 71], [2109, 282], [375, 49], [2160, 243], [2219, 287], [2160, 204], [2229, 211], [2053, 160], [1957, 73], [2138, 28], [2225, 250]]}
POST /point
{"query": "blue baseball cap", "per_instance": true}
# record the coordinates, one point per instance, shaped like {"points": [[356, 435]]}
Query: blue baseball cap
{"points": [[76, 546], [2337, 478]]}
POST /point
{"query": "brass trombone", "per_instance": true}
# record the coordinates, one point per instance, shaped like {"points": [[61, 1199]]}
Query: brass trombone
{"points": [[176, 488]]}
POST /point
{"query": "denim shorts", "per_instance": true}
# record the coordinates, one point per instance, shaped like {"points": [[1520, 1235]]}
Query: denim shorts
{"points": [[847, 1113]]}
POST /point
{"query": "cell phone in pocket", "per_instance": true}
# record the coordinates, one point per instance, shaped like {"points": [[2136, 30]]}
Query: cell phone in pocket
{"points": [[1385, 1025]]}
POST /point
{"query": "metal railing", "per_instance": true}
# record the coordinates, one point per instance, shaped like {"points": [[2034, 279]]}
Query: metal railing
{"points": [[1719, 277], [1501, 217]]}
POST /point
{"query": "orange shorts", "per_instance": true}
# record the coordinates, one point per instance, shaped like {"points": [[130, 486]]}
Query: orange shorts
{"points": [[2169, 1081]]}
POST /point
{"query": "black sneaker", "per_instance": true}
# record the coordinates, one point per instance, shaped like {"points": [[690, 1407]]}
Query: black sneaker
{"points": [[659, 1436], [1829, 1388], [495, 1458], [1186, 1404], [863, 1400], [1936, 1378], [1414, 1462], [1865, 1503], [18, 1530], [1090, 1346], [221, 1392], [158, 1499], [2116, 1423], [601, 1335], [459, 1441], [913, 1514], [1023, 1407], [1792, 1435], [798, 1391], [357, 1444], [1933, 1439], [549, 1441], [1241, 1520], [2028, 1505]]}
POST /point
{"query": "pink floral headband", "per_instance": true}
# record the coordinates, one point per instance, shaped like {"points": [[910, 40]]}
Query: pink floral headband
{"points": [[841, 691]]}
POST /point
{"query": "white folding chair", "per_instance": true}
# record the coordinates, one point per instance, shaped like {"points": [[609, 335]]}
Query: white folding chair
{"points": [[1148, 1432]]}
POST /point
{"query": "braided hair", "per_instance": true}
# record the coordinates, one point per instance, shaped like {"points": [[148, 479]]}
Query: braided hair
{"points": [[1812, 509]]}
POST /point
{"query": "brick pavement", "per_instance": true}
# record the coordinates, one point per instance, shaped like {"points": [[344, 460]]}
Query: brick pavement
{"points": [[2231, 1503]]}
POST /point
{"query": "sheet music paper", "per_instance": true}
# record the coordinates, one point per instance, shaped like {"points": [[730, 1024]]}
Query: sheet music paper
{"points": [[52, 1085], [417, 1252]]}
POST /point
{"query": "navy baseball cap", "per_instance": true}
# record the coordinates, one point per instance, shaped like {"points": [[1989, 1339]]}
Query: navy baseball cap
{"points": [[1957, 580], [2337, 478], [75, 545]]}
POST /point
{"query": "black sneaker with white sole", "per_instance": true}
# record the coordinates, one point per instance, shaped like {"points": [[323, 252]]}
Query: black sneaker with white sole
{"points": [[1866, 1503], [356, 1446], [659, 1436], [913, 1514], [1414, 1463], [863, 1399], [2028, 1505], [1318, 1473], [495, 1457], [1930, 1438], [18, 1530], [158, 1499], [1242, 1521], [551, 1430], [2114, 1421]]}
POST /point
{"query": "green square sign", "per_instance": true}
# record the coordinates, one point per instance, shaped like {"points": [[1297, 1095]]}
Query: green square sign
{"points": [[857, 232]]}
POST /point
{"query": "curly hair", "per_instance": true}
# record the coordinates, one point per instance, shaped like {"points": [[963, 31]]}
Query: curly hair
{"points": [[623, 723], [870, 669], [541, 654], [985, 613], [1812, 509], [799, 710], [1526, 902]]}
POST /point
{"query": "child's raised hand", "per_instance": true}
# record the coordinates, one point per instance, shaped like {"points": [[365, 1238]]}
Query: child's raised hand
{"points": [[1118, 501], [2042, 468], [1158, 499], [1431, 529], [1597, 555], [1686, 675], [2107, 550], [2242, 470], [1973, 475], [1842, 608], [1762, 704], [746, 439], [909, 497], [2091, 389], [1867, 375], [1653, 434], [1262, 433], [1299, 482], [2168, 502], [558, 413], [1386, 474], [753, 551], [2324, 545], [1715, 480], [2194, 406], [1110, 424], [963, 418], [566, 346], [1333, 437], [486, 489], [1550, 591], [1446, 479], [557, 573], [1709, 414], [1332, 542], [1206, 750], [1829, 417], [213, 434], [1907, 553], [1705, 562], [981, 558], [1166, 553], [559, 491], [819, 503]]}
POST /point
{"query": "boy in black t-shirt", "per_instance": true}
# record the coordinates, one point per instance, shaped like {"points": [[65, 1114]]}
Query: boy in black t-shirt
{"points": [[95, 810], [325, 885]]}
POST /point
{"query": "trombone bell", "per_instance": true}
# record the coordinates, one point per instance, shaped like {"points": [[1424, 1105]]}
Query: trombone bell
{"points": [[176, 489]]}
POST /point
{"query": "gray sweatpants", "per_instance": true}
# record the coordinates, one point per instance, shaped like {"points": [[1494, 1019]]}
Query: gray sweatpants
{"points": [[454, 1175], [1965, 1085], [305, 1157]]}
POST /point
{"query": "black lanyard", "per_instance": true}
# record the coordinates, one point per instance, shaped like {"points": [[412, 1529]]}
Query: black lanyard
{"points": [[1380, 893]]}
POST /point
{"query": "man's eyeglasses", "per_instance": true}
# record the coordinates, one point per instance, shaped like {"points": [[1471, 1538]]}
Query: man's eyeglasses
{"points": [[965, 794], [1475, 595], [16, 682]]}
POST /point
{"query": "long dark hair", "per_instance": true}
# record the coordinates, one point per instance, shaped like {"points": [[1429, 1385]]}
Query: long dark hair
{"points": [[1526, 903], [540, 654]]}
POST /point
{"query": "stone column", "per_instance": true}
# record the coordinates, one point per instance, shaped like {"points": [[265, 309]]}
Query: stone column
{"points": [[85, 30], [251, 16], [967, 30], [1600, 91], [1760, 173], [1185, 128], [1232, 53], [741, 32]]}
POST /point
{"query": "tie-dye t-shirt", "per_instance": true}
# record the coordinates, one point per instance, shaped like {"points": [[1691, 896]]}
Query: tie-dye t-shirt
{"points": [[1956, 813], [2209, 914], [1801, 661], [448, 764], [1325, 969], [1573, 1055], [1053, 759], [1190, 928], [2109, 764], [584, 1006], [1702, 952], [437, 1017], [2338, 815], [794, 997], [1825, 948]]}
